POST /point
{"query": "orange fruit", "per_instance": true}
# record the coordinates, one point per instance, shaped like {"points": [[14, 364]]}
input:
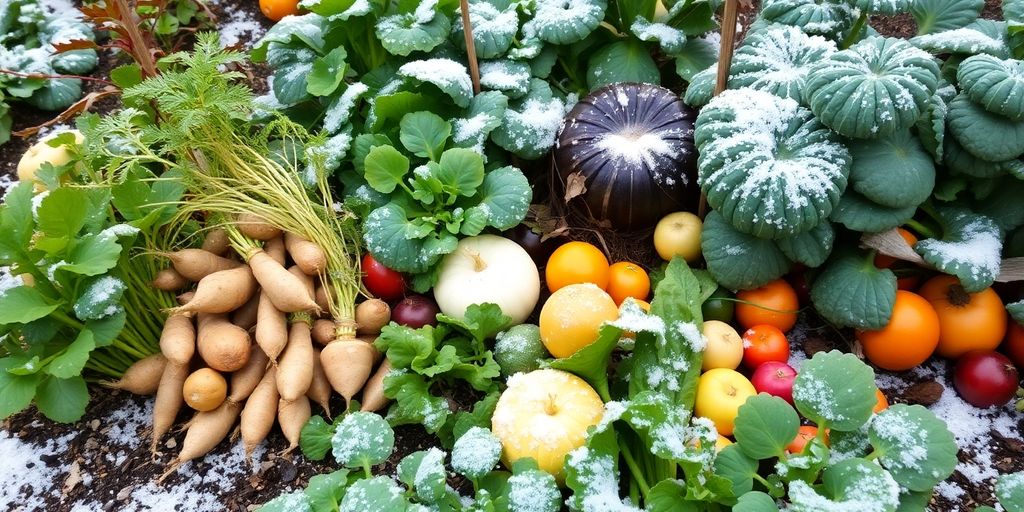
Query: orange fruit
{"points": [[277, 9], [908, 340], [774, 304], [627, 279], [576, 262]]}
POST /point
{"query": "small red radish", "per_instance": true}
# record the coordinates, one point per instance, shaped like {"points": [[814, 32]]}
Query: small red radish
{"points": [[985, 378], [774, 378]]}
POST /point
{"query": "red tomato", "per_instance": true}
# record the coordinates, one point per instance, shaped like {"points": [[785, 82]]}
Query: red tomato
{"points": [[382, 282], [763, 343], [1014, 344]]}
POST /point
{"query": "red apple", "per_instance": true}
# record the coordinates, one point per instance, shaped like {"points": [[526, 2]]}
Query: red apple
{"points": [[985, 378], [775, 378]]}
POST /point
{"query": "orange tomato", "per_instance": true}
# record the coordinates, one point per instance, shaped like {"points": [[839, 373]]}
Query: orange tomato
{"points": [[881, 402], [910, 337], [967, 321], [576, 262], [774, 304], [763, 343], [804, 436], [277, 9], [627, 279], [883, 261]]}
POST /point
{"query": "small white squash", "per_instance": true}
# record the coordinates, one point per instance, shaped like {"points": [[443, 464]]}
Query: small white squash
{"points": [[41, 152], [545, 415], [488, 268]]}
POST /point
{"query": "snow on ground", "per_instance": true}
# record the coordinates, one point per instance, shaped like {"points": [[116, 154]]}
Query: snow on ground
{"points": [[27, 479], [236, 25]]}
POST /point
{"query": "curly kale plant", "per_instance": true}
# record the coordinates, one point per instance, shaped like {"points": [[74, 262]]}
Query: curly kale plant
{"points": [[28, 32]]}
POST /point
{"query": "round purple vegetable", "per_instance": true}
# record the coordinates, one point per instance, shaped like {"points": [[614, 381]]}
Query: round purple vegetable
{"points": [[415, 311]]}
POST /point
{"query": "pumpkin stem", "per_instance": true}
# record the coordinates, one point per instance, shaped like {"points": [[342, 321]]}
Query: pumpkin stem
{"points": [[550, 407], [957, 295], [478, 263]]}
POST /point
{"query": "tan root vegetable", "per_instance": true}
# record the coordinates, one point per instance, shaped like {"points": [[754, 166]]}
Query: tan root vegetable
{"points": [[371, 316], [169, 280], [244, 381], [216, 241], [168, 400], [306, 280], [307, 255], [370, 340], [271, 329], [178, 339], [285, 290], [292, 416], [348, 364], [222, 345], [275, 249], [246, 316], [205, 431], [323, 331], [320, 388], [373, 393], [205, 389], [195, 264], [322, 300], [184, 298], [141, 378], [295, 367], [222, 292], [260, 411], [256, 227]]}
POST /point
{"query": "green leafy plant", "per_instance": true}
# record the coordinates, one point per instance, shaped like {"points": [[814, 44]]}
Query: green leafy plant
{"points": [[422, 205], [36, 59], [362, 440], [83, 308]]}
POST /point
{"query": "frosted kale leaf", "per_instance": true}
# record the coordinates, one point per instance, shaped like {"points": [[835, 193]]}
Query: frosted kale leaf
{"points": [[486, 110], [1016, 310], [671, 39], [859, 213], [835, 389], [886, 7], [980, 36], [853, 484], [531, 124], [941, 15], [970, 248], [995, 84], [701, 87], [508, 76], [892, 171], [990, 137], [776, 59], [767, 165], [875, 88], [914, 445], [421, 30], [931, 127], [816, 17], [449, 76], [476, 453], [494, 28], [564, 21]]}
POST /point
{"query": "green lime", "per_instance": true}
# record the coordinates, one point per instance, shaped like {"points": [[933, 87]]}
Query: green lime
{"points": [[519, 349], [719, 306]]}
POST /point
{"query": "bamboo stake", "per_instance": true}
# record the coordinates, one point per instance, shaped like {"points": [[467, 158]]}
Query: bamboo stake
{"points": [[729, 16], [467, 31]]}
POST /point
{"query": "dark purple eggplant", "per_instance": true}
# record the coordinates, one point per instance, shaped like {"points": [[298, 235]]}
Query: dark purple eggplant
{"points": [[632, 145]]}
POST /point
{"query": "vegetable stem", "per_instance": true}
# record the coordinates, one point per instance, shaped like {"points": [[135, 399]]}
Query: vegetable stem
{"points": [[854, 34], [921, 229], [634, 469]]}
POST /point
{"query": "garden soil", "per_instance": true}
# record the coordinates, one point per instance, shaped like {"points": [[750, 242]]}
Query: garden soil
{"points": [[103, 462]]}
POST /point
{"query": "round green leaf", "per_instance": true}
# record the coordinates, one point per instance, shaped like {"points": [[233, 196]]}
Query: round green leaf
{"points": [[701, 87], [941, 15], [424, 472], [534, 490], [816, 17], [698, 54], [56, 94], [508, 76], [914, 445], [892, 171], [494, 29], [739, 261], [1010, 491], [424, 134], [564, 21], [461, 170], [449, 76], [990, 137], [776, 60], [377, 494], [854, 484], [969, 249], [875, 88], [852, 292], [738, 468], [886, 7], [476, 453], [62, 400], [755, 501], [931, 127], [622, 61], [835, 390], [858, 213], [402, 34], [960, 161], [767, 165], [811, 248], [765, 424], [385, 167], [362, 438], [995, 84], [505, 196]]}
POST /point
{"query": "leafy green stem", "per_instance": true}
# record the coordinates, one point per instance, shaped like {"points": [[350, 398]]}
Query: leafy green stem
{"points": [[634, 469], [923, 230], [854, 34]]}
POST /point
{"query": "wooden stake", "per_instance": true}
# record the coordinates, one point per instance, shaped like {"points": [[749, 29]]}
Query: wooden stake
{"points": [[467, 31], [729, 17]]}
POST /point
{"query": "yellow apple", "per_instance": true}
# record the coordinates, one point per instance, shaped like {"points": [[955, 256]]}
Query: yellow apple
{"points": [[572, 317], [678, 234], [41, 152], [720, 393], [545, 415], [721, 442], [724, 348]]}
